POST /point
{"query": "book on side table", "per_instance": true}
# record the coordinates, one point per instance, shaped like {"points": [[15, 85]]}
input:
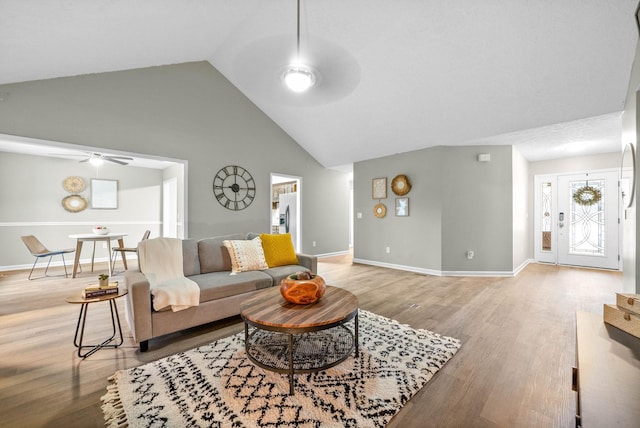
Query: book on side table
{"points": [[94, 290]]}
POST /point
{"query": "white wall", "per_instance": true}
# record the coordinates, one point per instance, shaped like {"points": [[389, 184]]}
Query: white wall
{"points": [[630, 243], [522, 234]]}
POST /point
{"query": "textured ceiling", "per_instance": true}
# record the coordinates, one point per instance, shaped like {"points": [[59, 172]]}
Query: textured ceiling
{"points": [[394, 76]]}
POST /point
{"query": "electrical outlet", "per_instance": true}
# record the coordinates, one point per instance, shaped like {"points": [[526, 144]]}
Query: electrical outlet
{"points": [[313, 243], [388, 250], [359, 215], [470, 254]]}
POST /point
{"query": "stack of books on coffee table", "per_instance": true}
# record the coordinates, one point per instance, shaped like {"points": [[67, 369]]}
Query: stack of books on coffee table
{"points": [[95, 290]]}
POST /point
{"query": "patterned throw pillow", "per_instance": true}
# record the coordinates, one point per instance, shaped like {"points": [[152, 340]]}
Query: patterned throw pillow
{"points": [[246, 255], [278, 250]]}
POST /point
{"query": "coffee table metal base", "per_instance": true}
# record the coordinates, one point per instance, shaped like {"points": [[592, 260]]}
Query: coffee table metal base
{"points": [[300, 350]]}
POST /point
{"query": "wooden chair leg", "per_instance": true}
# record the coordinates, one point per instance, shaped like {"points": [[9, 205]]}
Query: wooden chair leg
{"points": [[115, 258]]}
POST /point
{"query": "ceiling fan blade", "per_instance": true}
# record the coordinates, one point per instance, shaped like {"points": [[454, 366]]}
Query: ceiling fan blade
{"points": [[110, 159], [65, 155], [117, 157]]}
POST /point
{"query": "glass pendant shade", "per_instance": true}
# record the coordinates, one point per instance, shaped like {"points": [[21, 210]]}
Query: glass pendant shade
{"points": [[299, 78], [96, 160]]}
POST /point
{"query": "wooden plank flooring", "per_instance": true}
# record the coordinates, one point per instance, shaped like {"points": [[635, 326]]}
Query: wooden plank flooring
{"points": [[513, 370]]}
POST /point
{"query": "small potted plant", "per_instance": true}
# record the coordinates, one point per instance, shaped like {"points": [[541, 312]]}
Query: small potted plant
{"points": [[103, 280]]}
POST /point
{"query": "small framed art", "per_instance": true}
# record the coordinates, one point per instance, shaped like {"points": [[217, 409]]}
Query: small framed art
{"points": [[402, 207], [104, 194], [379, 188]]}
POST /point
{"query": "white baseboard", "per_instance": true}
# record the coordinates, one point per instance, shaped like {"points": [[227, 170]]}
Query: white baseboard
{"points": [[57, 262], [337, 253], [398, 267], [444, 273]]}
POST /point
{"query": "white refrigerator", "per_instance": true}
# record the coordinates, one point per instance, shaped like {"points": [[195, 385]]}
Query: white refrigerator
{"points": [[288, 203]]}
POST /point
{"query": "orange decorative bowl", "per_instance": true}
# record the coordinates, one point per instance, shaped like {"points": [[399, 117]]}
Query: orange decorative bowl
{"points": [[302, 291]]}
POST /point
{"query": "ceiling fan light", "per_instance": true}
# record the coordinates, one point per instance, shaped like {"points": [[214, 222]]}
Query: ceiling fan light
{"points": [[299, 78], [96, 160]]}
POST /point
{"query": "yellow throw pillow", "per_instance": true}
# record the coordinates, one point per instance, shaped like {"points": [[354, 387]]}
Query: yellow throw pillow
{"points": [[246, 255], [278, 250]]}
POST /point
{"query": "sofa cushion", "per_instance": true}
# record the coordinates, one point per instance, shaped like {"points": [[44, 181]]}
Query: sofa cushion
{"points": [[278, 250], [217, 285], [213, 255], [246, 255], [281, 272], [190, 260]]}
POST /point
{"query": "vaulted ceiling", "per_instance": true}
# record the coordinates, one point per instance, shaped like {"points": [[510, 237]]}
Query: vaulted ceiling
{"points": [[393, 76]]}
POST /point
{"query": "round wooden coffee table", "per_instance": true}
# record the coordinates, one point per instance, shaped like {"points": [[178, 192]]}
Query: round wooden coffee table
{"points": [[292, 339]]}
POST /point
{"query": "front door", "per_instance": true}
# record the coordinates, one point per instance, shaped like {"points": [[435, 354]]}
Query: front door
{"points": [[588, 220], [577, 219]]}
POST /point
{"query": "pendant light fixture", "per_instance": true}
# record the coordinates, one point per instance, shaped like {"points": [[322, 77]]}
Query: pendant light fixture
{"points": [[298, 77], [96, 160]]}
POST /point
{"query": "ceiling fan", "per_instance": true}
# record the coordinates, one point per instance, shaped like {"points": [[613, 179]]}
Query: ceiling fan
{"points": [[99, 158]]}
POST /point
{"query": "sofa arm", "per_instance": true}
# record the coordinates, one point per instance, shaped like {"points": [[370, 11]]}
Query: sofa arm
{"points": [[308, 261], [138, 305]]}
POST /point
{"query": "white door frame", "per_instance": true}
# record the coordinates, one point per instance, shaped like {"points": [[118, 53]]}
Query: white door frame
{"points": [[541, 255], [170, 208], [553, 256], [279, 178]]}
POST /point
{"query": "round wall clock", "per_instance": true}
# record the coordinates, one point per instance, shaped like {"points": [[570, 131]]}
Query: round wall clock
{"points": [[400, 185], [380, 210], [234, 188]]}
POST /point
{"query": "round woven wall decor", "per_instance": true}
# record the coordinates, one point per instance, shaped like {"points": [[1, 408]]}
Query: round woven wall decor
{"points": [[73, 184], [74, 203], [400, 185], [380, 210]]}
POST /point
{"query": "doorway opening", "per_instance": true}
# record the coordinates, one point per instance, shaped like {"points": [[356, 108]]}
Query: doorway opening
{"points": [[286, 195], [577, 219], [174, 197]]}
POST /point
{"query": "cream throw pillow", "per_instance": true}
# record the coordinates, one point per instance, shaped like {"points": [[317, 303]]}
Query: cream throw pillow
{"points": [[246, 255]]}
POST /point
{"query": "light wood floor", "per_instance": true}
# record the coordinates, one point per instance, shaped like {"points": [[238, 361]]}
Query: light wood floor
{"points": [[513, 370]]}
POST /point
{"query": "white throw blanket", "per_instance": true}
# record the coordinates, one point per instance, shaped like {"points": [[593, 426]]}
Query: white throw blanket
{"points": [[160, 260]]}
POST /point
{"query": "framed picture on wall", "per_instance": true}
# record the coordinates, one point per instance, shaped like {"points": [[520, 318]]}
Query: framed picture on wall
{"points": [[104, 194], [402, 207], [379, 188]]}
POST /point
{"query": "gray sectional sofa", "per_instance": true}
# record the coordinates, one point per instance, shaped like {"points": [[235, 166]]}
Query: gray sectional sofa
{"points": [[207, 262]]}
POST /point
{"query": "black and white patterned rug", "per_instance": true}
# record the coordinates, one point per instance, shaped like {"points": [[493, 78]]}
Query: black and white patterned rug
{"points": [[217, 386]]}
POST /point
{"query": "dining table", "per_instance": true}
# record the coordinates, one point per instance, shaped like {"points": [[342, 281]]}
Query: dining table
{"points": [[94, 237]]}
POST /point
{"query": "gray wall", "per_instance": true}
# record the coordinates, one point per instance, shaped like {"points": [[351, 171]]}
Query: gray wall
{"points": [[32, 193], [190, 112], [477, 209], [456, 204], [414, 241]]}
